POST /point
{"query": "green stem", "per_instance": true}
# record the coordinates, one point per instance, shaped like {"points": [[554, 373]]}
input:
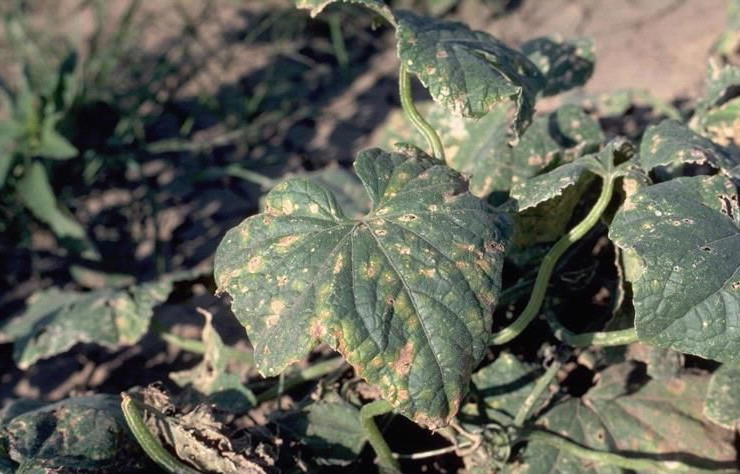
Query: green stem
{"points": [[604, 457], [313, 372], [604, 338], [151, 446], [386, 461], [407, 102], [548, 265], [337, 41], [542, 383]]}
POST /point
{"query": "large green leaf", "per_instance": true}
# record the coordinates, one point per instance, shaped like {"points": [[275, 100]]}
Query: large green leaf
{"points": [[81, 434], [685, 233], [672, 143], [404, 293], [722, 405], [468, 72], [57, 320], [623, 412], [552, 184], [330, 428], [565, 63]]}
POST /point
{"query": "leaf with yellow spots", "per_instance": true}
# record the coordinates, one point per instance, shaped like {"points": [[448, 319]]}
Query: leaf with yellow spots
{"points": [[57, 320], [628, 412], [317, 6], [480, 149], [671, 143], [404, 292], [565, 63], [469, 72], [684, 235], [546, 186]]}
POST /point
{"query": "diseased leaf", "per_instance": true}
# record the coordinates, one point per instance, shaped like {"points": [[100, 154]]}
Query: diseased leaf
{"points": [[317, 6], [479, 149], [503, 385], [468, 72], [81, 434], [199, 439], [214, 377], [346, 188], [565, 63], [722, 124], [624, 412], [722, 405], [662, 364], [57, 320], [330, 429], [686, 234], [546, 186], [722, 86], [729, 43], [673, 144], [405, 293]]}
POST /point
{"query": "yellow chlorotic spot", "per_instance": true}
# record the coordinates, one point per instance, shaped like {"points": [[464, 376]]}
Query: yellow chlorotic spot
{"points": [[313, 208], [428, 272], [339, 264], [277, 306], [405, 251], [282, 280], [254, 264], [287, 241]]}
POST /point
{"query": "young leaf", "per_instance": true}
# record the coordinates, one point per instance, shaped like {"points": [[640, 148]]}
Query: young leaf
{"points": [[213, 376], [330, 429], [546, 186], [404, 293], [672, 143], [565, 63], [37, 195], [686, 235], [57, 320], [81, 434], [468, 72], [624, 413], [722, 405], [53, 145]]}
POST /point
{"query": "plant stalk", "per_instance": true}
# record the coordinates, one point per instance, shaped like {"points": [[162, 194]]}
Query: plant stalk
{"points": [[548, 265], [386, 461], [542, 383], [601, 338], [407, 102]]}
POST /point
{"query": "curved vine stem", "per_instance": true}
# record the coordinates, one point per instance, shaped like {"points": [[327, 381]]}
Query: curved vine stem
{"points": [[603, 338], [407, 102], [548, 265], [542, 383], [386, 461], [147, 441], [605, 457]]}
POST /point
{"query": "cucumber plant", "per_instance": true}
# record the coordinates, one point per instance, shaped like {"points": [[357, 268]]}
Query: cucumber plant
{"points": [[406, 291]]}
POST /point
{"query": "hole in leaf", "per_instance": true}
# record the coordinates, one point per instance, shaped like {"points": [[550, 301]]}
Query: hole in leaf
{"points": [[578, 381]]}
